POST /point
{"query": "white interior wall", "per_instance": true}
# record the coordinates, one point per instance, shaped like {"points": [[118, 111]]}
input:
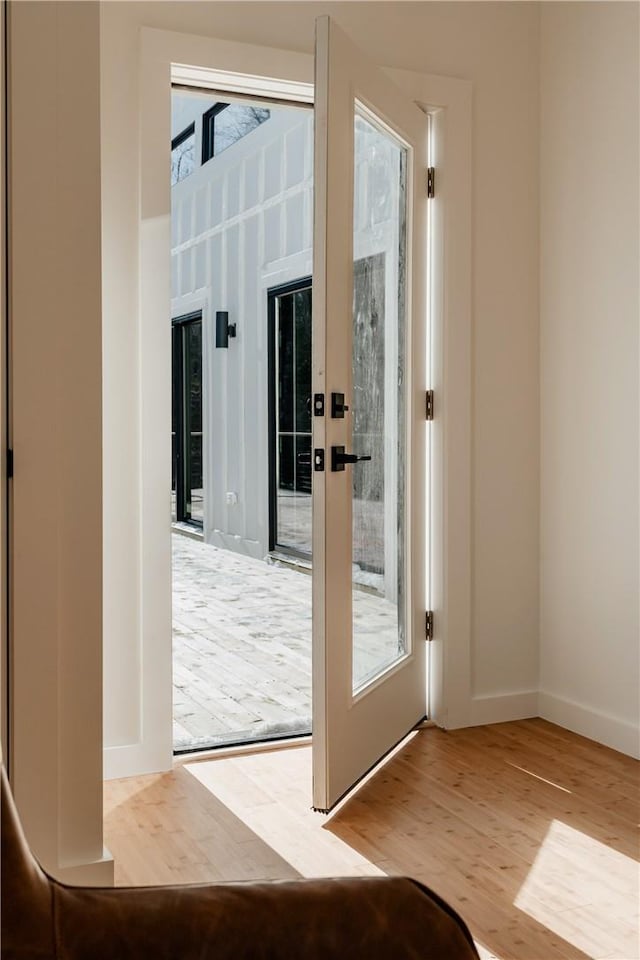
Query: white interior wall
{"points": [[4, 680], [484, 43], [589, 631], [56, 523]]}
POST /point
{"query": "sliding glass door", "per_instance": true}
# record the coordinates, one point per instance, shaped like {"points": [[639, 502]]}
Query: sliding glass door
{"points": [[290, 418], [186, 427]]}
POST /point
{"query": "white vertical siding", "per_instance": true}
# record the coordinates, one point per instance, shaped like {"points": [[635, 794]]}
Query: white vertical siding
{"points": [[241, 224]]}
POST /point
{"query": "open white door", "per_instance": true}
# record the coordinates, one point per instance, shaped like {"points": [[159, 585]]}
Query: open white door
{"points": [[369, 369]]}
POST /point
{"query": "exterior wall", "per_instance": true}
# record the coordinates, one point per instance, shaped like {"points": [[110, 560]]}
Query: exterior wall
{"points": [[241, 225], [590, 631]]}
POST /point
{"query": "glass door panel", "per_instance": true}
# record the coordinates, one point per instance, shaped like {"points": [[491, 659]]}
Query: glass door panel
{"points": [[378, 422]]}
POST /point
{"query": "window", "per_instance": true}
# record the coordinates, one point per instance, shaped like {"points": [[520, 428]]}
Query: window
{"points": [[186, 432], [290, 418], [183, 154], [226, 123]]}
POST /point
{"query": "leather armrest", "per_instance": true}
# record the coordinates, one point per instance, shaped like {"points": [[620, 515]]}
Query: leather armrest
{"points": [[368, 918]]}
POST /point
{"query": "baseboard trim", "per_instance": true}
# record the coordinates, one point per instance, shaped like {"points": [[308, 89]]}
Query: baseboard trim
{"points": [[134, 760], [502, 708], [97, 873], [602, 727]]}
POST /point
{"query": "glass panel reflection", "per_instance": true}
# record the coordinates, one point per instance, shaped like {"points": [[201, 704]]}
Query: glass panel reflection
{"points": [[235, 122], [378, 402], [183, 156]]}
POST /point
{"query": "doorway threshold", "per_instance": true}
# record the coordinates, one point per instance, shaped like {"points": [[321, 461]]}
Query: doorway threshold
{"points": [[187, 530], [241, 749], [293, 562]]}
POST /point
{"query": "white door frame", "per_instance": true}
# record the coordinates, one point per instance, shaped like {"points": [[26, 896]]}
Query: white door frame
{"points": [[449, 102]]}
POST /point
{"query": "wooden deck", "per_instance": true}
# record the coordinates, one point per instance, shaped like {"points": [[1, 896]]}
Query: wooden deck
{"points": [[242, 645], [530, 831]]}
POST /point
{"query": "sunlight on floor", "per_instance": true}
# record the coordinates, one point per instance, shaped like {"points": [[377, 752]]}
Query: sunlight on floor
{"points": [[613, 882], [538, 777], [283, 819], [535, 844], [484, 953]]}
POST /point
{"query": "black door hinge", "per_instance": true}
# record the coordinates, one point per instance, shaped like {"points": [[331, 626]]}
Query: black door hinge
{"points": [[428, 625], [429, 405], [9, 464], [431, 182]]}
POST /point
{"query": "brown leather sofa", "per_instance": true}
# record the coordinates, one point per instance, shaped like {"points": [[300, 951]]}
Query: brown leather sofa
{"points": [[368, 918]]}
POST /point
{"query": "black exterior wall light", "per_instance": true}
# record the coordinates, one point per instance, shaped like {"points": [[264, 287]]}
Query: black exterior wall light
{"points": [[224, 329]]}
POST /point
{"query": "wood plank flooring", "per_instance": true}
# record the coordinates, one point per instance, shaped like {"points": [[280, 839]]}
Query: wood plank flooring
{"points": [[530, 831]]}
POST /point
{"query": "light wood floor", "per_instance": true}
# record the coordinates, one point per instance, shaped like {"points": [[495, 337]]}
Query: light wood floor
{"points": [[530, 831]]}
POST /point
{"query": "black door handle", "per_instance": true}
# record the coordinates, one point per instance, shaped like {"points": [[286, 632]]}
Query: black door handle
{"points": [[339, 458]]}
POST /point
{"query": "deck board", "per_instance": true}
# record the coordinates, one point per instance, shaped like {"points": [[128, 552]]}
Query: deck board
{"points": [[242, 645]]}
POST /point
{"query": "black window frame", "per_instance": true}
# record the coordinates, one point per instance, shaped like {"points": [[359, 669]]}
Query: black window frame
{"points": [[208, 130], [183, 135], [273, 293], [182, 458]]}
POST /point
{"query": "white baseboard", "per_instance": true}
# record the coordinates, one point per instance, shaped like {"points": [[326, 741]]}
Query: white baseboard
{"points": [[602, 727], [97, 873], [500, 709], [134, 760]]}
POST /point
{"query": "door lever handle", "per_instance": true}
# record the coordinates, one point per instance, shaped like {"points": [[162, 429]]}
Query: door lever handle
{"points": [[339, 458]]}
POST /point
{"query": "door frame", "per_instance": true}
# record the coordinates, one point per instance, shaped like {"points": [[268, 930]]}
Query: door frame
{"points": [[448, 101]]}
